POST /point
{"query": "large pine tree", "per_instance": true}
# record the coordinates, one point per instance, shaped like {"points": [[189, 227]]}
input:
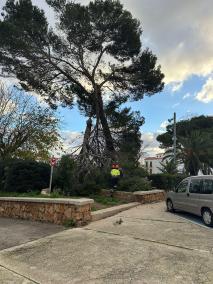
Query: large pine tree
{"points": [[92, 56]]}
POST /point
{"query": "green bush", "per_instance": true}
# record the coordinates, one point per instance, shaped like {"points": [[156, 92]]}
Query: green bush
{"points": [[70, 223], [138, 172], [165, 181], [24, 176], [1, 176], [88, 187], [132, 184], [64, 175], [92, 183], [67, 179]]}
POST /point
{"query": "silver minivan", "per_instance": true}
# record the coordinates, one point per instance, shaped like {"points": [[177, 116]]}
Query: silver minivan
{"points": [[194, 195]]}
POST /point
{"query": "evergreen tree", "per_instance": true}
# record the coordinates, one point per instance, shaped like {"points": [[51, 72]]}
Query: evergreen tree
{"points": [[93, 51]]}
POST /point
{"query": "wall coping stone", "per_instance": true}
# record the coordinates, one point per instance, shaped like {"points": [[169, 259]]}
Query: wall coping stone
{"points": [[72, 201], [148, 192], [108, 212]]}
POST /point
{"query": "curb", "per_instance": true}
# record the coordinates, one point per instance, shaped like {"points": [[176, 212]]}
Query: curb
{"points": [[108, 212]]}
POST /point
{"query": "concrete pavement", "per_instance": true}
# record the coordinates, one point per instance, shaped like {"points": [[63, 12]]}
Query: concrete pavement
{"points": [[150, 246], [14, 232]]}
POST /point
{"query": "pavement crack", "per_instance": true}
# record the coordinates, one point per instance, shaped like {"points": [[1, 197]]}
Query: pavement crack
{"points": [[19, 274], [148, 240]]}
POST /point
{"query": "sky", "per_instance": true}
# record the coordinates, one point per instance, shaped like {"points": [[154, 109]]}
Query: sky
{"points": [[180, 33]]}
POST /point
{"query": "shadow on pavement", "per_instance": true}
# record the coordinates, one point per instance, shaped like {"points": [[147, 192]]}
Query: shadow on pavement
{"points": [[192, 218]]}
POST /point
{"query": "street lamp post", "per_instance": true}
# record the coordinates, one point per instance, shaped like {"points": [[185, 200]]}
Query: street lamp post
{"points": [[175, 139]]}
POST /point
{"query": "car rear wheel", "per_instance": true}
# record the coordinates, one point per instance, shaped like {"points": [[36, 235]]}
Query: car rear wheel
{"points": [[169, 205], [207, 217]]}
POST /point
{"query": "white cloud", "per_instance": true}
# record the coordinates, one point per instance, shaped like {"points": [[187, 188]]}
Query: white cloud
{"points": [[186, 96], [179, 32], [175, 105], [206, 94], [71, 140], [176, 86], [150, 144], [164, 124]]}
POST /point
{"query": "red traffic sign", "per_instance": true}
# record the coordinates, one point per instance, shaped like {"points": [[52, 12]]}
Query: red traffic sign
{"points": [[53, 161]]}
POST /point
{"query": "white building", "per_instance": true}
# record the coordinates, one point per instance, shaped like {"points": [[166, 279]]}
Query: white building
{"points": [[152, 164]]}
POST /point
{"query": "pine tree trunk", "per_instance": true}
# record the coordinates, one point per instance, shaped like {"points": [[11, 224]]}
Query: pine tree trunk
{"points": [[107, 133], [87, 134]]}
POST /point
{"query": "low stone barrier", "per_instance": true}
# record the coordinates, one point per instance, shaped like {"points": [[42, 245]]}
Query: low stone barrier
{"points": [[137, 196], [149, 196], [121, 195], [108, 212], [51, 210]]}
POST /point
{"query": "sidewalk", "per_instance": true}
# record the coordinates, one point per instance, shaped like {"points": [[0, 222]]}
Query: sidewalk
{"points": [[146, 248]]}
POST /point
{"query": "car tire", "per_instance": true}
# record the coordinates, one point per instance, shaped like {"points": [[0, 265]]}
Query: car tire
{"points": [[169, 205], [207, 217]]}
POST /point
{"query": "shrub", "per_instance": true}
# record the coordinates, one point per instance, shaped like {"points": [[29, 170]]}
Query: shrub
{"points": [[67, 179], [132, 184], [165, 181], [25, 176], [92, 183], [1, 175], [138, 172], [64, 175], [88, 187], [70, 223]]}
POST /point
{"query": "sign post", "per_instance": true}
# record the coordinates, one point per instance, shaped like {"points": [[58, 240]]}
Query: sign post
{"points": [[52, 164]]}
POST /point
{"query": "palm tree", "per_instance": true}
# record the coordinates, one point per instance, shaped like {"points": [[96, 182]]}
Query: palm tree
{"points": [[168, 167], [194, 151]]}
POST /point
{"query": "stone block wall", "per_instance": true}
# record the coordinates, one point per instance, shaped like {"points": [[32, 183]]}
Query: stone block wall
{"points": [[150, 196], [138, 196], [121, 195], [55, 211]]}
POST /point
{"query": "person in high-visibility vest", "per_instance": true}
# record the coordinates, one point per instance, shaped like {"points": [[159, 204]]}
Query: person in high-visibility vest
{"points": [[115, 175]]}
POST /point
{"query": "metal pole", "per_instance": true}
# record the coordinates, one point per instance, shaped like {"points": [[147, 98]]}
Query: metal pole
{"points": [[51, 178], [175, 139]]}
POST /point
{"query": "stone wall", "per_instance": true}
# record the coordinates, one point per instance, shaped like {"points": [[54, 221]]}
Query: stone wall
{"points": [[138, 196], [121, 195], [55, 211], [150, 196]]}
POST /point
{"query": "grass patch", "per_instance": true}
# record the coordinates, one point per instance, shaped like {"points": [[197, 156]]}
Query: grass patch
{"points": [[105, 200], [69, 223], [102, 202]]}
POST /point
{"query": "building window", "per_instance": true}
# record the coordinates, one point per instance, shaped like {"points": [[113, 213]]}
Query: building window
{"points": [[150, 164], [146, 164]]}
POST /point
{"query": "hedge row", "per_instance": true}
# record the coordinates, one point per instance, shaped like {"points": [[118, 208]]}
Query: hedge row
{"points": [[23, 176], [165, 181]]}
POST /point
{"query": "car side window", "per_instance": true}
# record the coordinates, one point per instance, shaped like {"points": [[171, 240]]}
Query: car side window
{"points": [[182, 187], [195, 186], [207, 187]]}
